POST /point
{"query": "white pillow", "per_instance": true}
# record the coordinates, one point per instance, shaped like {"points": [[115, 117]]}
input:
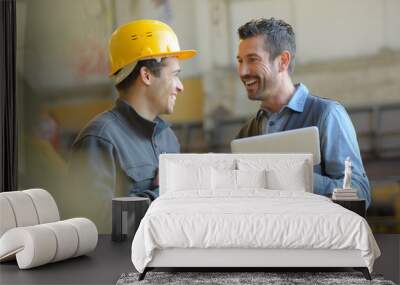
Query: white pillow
{"points": [[292, 179], [224, 179], [281, 174], [251, 178], [229, 179], [188, 177]]}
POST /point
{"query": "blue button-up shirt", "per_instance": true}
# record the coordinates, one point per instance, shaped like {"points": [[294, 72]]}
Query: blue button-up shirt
{"points": [[336, 132]]}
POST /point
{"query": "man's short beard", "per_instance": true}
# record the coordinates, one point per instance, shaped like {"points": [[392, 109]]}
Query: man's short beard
{"points": [[258, 96]]}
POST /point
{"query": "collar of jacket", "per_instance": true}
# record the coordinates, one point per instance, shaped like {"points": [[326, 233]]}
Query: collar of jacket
{"points": [[130, 114]]}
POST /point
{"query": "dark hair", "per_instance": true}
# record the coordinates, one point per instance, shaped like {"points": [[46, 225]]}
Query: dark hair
{"points": [[278, 34], [152, 64]]}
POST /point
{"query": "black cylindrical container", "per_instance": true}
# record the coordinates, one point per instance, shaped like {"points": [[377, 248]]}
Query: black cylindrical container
{"points": [[127, 212]]}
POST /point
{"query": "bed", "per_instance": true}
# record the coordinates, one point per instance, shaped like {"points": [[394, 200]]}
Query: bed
{"points": [[247, 210]]}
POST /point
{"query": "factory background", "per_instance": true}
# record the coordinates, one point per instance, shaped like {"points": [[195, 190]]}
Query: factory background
{"points": [[348, 51]]}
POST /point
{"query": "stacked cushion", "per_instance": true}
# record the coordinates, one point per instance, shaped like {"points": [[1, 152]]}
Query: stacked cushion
{"points": [[31, 232]]}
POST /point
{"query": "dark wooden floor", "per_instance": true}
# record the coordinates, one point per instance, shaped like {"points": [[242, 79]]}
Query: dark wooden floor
{"points": [[110, 260], [389, 262], [102, 266]]}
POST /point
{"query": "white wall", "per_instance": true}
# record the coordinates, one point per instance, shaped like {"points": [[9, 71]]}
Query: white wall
{"points": [[391, 18], [325, 29], [66, 41], [335, 29]]}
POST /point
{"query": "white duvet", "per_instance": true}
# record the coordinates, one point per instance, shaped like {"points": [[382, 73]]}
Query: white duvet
{"points": [[250, 219]]}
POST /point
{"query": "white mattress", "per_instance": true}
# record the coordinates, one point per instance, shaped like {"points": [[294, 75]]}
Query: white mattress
{"points": [[252, 218]]}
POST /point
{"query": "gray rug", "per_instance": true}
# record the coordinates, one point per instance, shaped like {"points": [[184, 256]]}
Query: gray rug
{"points": [[229, 278]]}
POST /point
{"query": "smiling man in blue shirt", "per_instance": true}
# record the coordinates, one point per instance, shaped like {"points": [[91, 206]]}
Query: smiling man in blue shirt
{"points": [[266, 59]]}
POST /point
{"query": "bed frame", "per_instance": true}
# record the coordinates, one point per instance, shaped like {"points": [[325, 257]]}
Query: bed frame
{"points": [[241, 259], [246, 258]]}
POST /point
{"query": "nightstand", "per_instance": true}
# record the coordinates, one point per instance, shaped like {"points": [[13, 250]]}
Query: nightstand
{"points": [[356, 205]]}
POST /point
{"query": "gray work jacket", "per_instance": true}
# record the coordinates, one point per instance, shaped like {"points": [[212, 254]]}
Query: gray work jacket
{"points": [[117, 154]]}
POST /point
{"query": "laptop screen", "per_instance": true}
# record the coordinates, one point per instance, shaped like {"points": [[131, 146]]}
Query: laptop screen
{"points": [[304, 140]]}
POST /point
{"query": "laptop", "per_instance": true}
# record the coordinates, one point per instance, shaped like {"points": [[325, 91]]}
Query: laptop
{"points": [[304, 140]]}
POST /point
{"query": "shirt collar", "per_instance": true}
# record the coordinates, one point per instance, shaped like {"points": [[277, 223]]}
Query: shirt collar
{"points": [[130, 114], [296, 103]]}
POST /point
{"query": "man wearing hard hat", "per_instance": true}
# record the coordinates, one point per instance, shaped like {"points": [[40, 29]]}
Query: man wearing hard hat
{"points": [[116, 154]]}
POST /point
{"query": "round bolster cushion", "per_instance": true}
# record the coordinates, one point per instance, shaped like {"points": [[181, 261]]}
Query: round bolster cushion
{"points": [[45, 205], [22, 208], [7, 216], [26, 208], [40, 244]]}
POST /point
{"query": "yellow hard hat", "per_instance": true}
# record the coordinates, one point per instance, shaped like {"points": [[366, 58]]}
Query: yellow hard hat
{"points": [[143, 39]]}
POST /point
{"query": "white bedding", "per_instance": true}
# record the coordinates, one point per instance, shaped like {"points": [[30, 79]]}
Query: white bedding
{"points": [[250, 218]]}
